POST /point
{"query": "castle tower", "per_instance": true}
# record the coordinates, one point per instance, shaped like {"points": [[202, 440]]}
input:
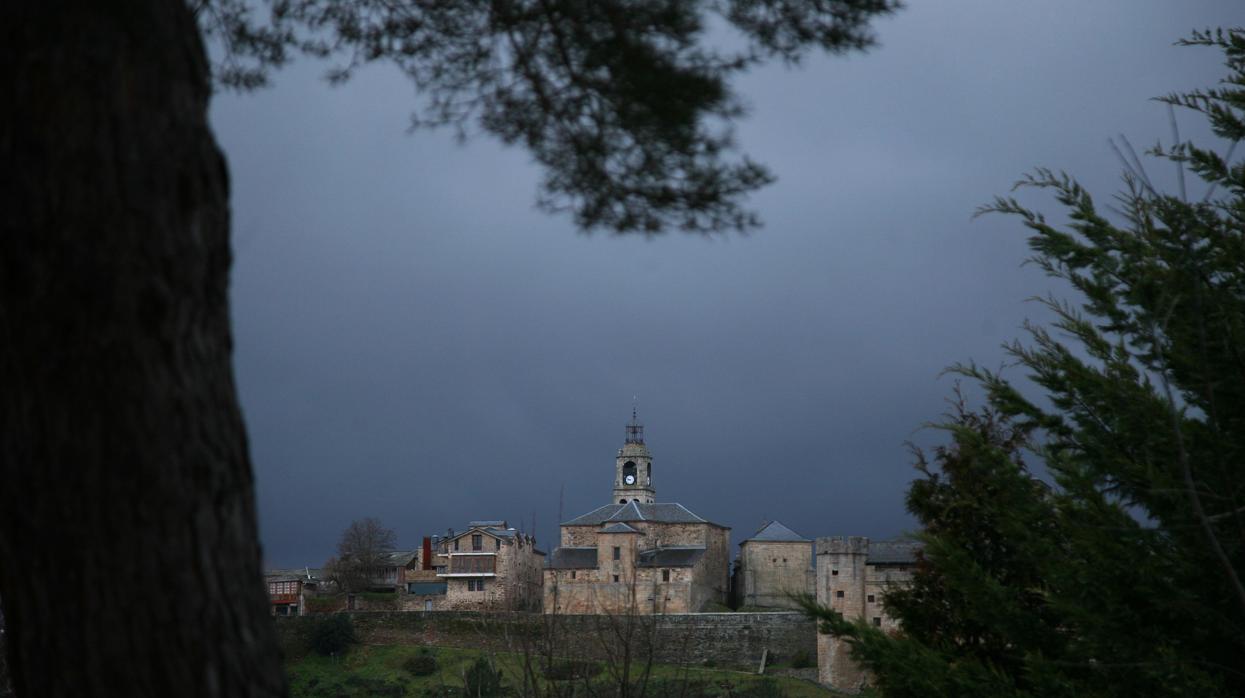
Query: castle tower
{"points": [[633, 469]]}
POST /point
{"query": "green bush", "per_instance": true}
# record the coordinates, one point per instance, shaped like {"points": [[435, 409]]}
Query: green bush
{"points": [[422, 664], [482, 680], [765, 688], [802, 660], [373, 687], [333, 635], [572, 669], [325, 604]]}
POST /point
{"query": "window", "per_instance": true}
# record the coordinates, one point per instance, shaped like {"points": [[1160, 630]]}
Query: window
{"points": [[834, 573], [456, 545], [871, 598], [615, 579], [617, 553], [477, 542], [877, 621], [497, 542], [665, 575], [572, 574], [838, 594], [475, 585], [622, 501]]}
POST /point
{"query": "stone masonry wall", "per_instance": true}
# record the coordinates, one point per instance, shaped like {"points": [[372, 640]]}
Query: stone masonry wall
{"points": [[772, 571], [729, 640], [841, 576]]}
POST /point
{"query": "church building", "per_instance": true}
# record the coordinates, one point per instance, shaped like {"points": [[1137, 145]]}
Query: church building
{"points": [[635, 554]]}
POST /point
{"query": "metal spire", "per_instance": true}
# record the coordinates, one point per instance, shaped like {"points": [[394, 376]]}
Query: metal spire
{"points": [[635, 430]]}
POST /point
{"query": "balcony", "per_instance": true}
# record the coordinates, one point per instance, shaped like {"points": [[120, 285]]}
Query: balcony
{"points": [[471, 566]]}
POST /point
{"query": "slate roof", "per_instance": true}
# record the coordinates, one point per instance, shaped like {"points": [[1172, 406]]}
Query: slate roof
{"points": [[670, 557], [670, 512], [619, 527], [292, 574], [401, 558], [896, 551], [572, 558], [778, 533], [485, 527]]}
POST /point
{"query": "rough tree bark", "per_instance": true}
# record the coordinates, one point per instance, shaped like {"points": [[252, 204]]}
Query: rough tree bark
{"points": [[129, 563]]}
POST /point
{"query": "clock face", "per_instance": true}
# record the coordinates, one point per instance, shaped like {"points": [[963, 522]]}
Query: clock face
{"points": [[630, 479]]}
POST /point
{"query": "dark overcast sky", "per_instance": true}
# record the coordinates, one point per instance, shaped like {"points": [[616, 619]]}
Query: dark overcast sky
{"points": [[416, 343]]}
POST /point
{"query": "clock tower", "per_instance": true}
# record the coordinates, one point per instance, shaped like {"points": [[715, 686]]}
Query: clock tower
{"points": [[633, 469]]}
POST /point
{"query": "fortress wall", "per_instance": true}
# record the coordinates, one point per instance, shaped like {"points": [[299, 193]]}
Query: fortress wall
{"points": [[721, 639]]}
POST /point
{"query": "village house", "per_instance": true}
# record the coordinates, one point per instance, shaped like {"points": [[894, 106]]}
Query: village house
{"points": [[394, 569], [489, 566], [288, 590], [636, 555]]}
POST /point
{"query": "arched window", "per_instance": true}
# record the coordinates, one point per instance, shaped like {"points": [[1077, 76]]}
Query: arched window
{"points": [[629, 469], [622, 501]]}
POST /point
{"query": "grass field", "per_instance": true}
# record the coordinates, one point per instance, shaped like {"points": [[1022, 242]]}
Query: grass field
{"points": [[378, 670]]}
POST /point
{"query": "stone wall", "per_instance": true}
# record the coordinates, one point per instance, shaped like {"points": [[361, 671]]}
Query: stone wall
{"points": [[642, 590], [729, 640], [850, 585], [771, 571], [713, 571]]}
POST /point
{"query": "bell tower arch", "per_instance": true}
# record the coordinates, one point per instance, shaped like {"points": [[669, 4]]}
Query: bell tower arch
{"points": [[633, 468]]}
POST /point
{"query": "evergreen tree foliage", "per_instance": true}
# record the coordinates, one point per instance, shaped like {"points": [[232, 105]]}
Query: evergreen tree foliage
{"points": [[1122, 576], [333, 635], [626, 104], [482, 680]]}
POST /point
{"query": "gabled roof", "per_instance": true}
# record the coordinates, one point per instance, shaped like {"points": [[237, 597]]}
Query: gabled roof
{"points": [[896, 551], [774, 531], [620, 527], [572, 558], [503, 533], [670, 512], [670, 557]]}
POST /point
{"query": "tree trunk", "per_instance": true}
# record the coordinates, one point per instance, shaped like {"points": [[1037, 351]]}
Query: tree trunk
{"points": [[129, 563]]}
